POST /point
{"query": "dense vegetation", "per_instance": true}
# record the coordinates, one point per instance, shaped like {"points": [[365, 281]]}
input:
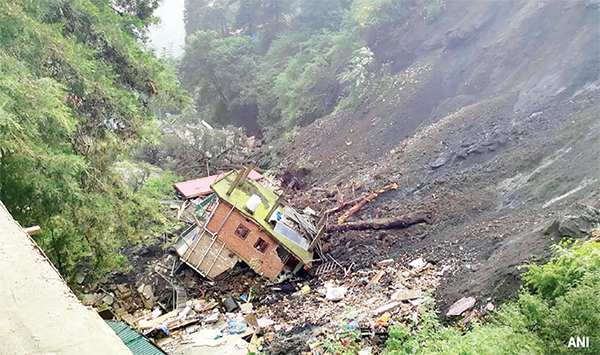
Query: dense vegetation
{"points": [[78, 92], [273, 65], [560, 301]]}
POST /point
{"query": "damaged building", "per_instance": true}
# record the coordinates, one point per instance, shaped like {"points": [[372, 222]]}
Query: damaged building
{"points": [[245, 221]]}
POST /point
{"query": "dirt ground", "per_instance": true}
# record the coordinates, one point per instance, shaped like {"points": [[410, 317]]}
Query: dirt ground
{"points": [[497, 139], [40, 314]]}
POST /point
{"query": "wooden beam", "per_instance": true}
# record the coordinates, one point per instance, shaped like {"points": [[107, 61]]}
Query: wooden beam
{"points": [[274, 207], [34, 230], [378, 223], [280, 199], [317, 238], [247, 172], [236, 182]]}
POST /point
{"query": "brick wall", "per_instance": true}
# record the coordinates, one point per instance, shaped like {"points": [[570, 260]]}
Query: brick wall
{"points": [[271, 264]]}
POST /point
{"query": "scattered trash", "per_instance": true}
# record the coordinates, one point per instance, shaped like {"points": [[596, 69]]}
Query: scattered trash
{"points": [[375, 279], [265, 322], [362, 301], [406, 295], [489, 307], [387, 307], [156, 313], [246, 308], [384, 318], [230, 304], [315, 345], [460, 306], [242, 344], [353, 324], [213, 318], [335, 293], [418, 301], [418, 264], [235, 325]]}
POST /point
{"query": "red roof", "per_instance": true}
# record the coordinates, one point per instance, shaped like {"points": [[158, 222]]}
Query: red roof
{"points": [[199, 187]]}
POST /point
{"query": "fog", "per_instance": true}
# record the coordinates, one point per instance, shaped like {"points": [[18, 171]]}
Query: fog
{"points": [[169, 36]]}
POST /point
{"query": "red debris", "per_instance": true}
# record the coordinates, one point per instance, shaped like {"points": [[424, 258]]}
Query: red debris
{"points": [[200, 187]]}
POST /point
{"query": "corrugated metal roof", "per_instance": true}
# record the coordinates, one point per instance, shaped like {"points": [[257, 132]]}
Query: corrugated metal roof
{"points": [[133, 340], [201, 186]]}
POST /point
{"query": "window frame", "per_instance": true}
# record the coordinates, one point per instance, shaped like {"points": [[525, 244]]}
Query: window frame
{"points": [[243, 229], [258, 244]]}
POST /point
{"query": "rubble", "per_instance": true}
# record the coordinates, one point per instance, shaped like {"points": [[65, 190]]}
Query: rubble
{"points": [[368, 311], [247, 315]]}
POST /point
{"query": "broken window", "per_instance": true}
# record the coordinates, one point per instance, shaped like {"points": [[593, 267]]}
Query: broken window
{"points": [[261, 245], [282, 253], [242, 231]]}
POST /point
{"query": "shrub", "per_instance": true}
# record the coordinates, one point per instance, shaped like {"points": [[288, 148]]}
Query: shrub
{"points": [[541, 321]]}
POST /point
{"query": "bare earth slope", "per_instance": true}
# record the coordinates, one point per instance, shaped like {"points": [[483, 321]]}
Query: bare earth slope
{"points": [[494, 140], [40, 314]]}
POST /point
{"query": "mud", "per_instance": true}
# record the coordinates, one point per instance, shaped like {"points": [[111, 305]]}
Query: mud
{"points": [[499, 138]]}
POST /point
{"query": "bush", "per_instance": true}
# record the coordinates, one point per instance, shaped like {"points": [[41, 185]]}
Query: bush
{"points": [[541, 321]]}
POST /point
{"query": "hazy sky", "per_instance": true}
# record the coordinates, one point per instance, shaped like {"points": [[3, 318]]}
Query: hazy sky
{"points": [[170, 33]]}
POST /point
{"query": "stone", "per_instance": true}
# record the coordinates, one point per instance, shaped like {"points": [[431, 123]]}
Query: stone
{"points": [[79, 278], [460, 306], [147, 295], [439, 162], [418, 264]]}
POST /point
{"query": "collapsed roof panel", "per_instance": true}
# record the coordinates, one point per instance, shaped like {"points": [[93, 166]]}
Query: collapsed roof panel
{"points": [[200, 187]]}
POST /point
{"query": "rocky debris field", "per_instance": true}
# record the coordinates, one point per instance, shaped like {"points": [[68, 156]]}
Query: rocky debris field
{"points": [[492, 145]]}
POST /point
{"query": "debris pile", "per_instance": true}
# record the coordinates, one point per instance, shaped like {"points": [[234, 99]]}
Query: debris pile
{"points": [[365, 300], [200, 323]]}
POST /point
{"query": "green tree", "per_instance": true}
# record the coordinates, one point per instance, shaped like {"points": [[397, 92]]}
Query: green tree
{"points": [[203, 15], [77, 93], [220, 72]]}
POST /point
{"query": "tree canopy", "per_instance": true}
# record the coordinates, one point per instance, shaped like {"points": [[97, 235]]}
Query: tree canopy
{"points": [[272, 65], [78, 90]]}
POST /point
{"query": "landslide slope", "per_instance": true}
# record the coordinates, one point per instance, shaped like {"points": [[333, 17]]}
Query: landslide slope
{"points": [[494, 137]]}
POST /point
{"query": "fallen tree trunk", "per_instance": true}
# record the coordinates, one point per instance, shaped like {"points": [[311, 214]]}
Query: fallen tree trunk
{"points": [[378, 223], [364, 201]]}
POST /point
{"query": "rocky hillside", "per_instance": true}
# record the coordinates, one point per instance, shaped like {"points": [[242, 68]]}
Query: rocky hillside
{"points": [[492, 134]]}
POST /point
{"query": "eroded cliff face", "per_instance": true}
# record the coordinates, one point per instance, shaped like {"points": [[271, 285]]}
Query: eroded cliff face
{"points": [[494, 136]]}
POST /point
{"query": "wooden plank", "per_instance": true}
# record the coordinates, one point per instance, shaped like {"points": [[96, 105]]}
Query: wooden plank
{"points": [[214, 261], [317, 238], [375, 279], [33, 230], [236, 182]]}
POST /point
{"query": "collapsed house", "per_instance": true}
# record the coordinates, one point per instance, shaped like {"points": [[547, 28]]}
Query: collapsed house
{"points": [[244, 220]]}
